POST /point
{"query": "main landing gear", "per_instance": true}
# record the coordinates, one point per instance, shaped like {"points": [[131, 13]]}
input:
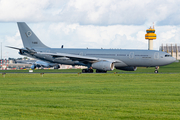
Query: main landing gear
{"points": [[156, 69], [100, 71], [91, 71], [87, 70]]}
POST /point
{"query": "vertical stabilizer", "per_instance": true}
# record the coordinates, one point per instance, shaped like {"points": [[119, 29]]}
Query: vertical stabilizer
{"points": [[30, 40]]}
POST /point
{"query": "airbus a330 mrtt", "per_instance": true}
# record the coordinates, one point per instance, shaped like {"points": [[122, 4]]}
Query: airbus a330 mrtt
{"points": [[102, 60]]}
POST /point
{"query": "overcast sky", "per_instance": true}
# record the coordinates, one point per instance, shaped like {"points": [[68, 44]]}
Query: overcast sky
{"points": [[90, 23]]}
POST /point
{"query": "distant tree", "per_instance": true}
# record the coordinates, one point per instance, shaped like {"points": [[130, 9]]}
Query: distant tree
{"points": [[19, 58], [25, 58]]}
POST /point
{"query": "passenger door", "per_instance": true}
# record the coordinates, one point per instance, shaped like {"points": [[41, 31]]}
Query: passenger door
{"points": [[156, 55], [131, 55]]}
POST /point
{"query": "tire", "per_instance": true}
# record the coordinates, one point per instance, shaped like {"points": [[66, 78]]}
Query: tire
{"points": [[100, 71], [90, 70], [84, 71], [156, 71]]}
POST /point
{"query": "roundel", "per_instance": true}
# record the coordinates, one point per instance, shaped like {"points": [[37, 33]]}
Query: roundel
{"points": [[29, 33]]}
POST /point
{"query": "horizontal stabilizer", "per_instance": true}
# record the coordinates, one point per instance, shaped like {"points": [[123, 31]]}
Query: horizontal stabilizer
{"points": [[14, 48]]}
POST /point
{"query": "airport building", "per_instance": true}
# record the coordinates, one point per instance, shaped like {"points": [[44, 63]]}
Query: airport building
{"points": [[174, 50], [11, 64]]}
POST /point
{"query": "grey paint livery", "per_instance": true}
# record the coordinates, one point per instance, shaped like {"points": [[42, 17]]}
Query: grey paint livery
{"points": [[102, 59]]}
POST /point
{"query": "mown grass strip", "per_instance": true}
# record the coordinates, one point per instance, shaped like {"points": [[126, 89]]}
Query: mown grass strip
{"points": [[90, 96]]}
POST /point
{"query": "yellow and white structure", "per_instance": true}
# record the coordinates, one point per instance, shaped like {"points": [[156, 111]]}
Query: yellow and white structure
{"points": [[150, 36]]}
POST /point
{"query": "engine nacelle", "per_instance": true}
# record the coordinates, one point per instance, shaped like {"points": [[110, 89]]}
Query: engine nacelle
{"points": [[127, 68], [33, 66], [103, 65], [21, 52], [56, 67]]}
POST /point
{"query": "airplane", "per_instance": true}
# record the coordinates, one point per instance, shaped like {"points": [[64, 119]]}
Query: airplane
{"points": [[25, 61], [42, 64], [38, 64], [102, 60]]}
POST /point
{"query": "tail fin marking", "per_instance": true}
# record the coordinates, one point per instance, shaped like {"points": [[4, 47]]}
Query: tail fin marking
{"points": [[30, 40]]}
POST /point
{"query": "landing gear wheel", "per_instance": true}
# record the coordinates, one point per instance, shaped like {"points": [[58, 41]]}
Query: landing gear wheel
{"points": [[97, 71], [87, 71], [84, 70], [156, 71], [100, 71], [90, 70]]}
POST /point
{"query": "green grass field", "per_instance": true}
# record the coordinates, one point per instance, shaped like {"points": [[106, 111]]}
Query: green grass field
{"points": [[90, 96], [141, 95]]}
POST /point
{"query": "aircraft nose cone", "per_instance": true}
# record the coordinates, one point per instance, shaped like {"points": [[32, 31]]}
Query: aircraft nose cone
{"points": [[173, 59]]}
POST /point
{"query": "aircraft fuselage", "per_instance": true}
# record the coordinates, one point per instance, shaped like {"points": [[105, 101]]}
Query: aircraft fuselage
{"points": [[138, 58]]}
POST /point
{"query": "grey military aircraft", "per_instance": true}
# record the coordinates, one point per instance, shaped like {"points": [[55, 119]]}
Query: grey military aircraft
{"points": [[102, 60]]}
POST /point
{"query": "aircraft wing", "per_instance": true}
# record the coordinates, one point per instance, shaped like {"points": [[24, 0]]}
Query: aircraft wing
{"points": [[80, 58]]}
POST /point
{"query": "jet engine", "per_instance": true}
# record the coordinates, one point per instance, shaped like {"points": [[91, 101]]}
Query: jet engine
{"points": [[56, 67], [21, 52], [127, 68], [33, 66], [103, 65]]}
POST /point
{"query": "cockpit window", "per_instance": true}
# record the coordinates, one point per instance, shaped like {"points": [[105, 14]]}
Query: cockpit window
{"points": [[168, 56]]}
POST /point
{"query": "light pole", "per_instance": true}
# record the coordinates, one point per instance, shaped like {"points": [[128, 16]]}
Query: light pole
{"points": [[1, 50]]}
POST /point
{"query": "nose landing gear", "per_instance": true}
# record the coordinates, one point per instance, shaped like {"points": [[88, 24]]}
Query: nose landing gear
{"points": [[156, 69]]}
